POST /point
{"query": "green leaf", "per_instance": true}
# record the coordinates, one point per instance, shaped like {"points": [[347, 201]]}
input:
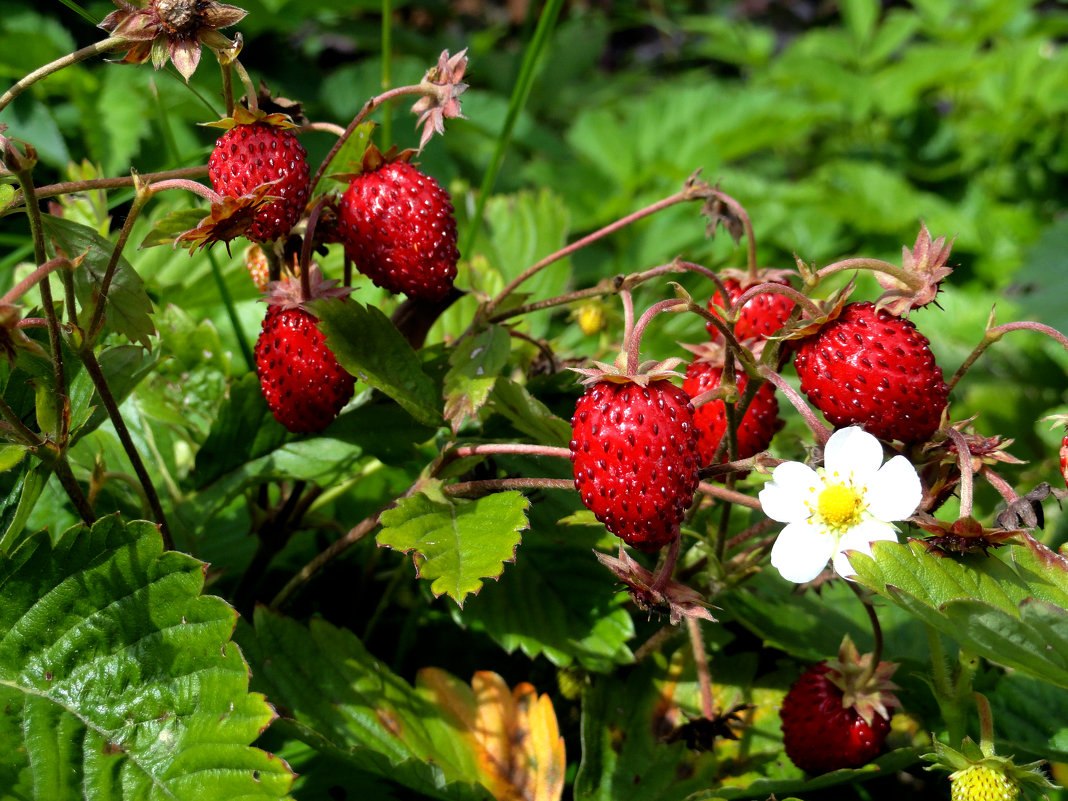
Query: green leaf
{"points": [[524, 228], [1031, 717], [347, 161], [1010, 607], [122, 124], [622, 757], [457, 544], [241, 432], [557, 602], [528, 414], [22, 489], [344, 702], [119, 680], [810, 626], [129, 310], [368, 345], [473, 369]]}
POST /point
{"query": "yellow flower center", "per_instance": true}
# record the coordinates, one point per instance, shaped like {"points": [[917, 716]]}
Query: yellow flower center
{"points": [[840, 506]]}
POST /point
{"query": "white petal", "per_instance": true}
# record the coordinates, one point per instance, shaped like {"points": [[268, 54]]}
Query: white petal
{"points": [[895, 492], [852, 451], [859, 538], [801, 551], [783, 498]]}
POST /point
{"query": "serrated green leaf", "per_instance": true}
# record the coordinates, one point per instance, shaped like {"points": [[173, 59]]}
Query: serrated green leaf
{"points": [[1014, 613], [474, 366], [529, 415], [119, 680], [129, 310], [346, 703], [122, 124], [7, 194], [456, 544], [370, 347]]}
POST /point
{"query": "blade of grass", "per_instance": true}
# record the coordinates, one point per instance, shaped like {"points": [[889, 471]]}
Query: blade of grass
{"points": [[386, 132], [81, 12], [523, 84]]}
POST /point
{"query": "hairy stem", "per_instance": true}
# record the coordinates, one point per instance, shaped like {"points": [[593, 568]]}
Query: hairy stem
{"points": [[368, 107], [821, 432], [96, 324], [109, 45], [700, 661], [967, 478], [994, 333], [476, 489], [772, 288], [31, 280], [728, 495], [121, 182], [632, 344], [910, 280]]}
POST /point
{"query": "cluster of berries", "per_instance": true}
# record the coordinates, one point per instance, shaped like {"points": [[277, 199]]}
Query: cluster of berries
{"points": [[395, 223]]}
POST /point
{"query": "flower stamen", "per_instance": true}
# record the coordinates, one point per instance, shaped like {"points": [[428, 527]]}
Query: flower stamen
{"points": [[840, 506]]}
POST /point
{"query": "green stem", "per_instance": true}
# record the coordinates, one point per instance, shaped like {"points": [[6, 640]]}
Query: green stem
{"points": [[231, 311], [96, 374], [520, 92], [109, 45], [387, 70], [986, 724], [994, 333]]}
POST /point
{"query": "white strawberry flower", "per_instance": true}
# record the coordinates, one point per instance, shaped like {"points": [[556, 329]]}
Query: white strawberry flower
{"points": [[843, 506]]}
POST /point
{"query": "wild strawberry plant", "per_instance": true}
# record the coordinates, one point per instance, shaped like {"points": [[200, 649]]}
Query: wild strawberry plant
{"points": [[429, 539]]}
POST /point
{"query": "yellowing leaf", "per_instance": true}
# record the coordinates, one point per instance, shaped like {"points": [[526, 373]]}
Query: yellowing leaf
{"points": [[513, 734]]}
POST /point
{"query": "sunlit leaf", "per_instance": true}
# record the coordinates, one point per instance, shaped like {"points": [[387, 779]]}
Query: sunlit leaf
{"points": [[118, 679], [1010, 607], [343, 701], [368, 345], [456, 544]]}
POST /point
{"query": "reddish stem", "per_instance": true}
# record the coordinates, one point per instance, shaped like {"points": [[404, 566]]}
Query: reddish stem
{"points": [[911, 280], [729, 495], [700, 661], [33, 279], [476, 489], [821, 431], [777, 289], [192, 186], [1005, 490], [964, 461], [632, 344]]}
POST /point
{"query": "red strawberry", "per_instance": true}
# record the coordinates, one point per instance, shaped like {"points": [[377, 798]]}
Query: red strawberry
{"points": [[303, 383], [870, 368], [837, 714], [250, 155], [758, 425], [635, 457], [397, 225], [1064, 459], [762, 315]]}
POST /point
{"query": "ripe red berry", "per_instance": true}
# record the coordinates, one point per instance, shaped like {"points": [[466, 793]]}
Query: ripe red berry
{"points": [[302, 382], [634, 452], [250, 155], [820, 734], [757, 427], [760, 317], [875, 370], [1064, 459], [397, 225]]}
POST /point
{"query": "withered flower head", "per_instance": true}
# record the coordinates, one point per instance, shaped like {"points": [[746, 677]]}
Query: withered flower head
{"points": [[443, 87], [677, 600], [172, 30], [962, 536], [228, 219], [927, 264]]}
